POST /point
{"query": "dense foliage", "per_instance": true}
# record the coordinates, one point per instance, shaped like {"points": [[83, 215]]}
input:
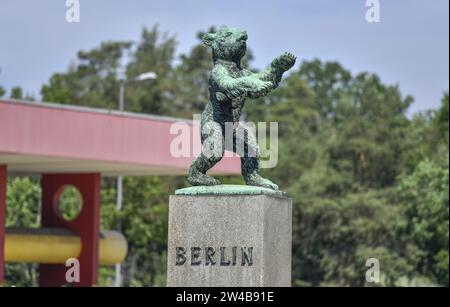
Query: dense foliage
{"points": [[367, 180]]}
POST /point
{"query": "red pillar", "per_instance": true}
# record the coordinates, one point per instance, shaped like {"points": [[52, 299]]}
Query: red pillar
{"points": [[3, 178], [86, 225]]}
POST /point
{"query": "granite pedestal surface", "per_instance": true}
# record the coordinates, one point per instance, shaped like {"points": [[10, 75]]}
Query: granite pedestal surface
{"points": [[229, 236]]}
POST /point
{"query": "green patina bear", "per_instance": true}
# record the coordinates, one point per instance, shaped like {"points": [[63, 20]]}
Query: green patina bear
{"points": [[229, 86]]}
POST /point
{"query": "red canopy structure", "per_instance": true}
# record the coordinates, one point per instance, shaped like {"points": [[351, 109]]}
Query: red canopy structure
{"points": [[70, 145]]}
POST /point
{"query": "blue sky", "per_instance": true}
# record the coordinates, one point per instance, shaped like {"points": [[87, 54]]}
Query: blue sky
{"points": [[409, 47]]}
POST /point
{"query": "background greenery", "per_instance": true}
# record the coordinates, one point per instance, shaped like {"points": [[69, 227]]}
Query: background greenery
{"points": [[368, 181]]}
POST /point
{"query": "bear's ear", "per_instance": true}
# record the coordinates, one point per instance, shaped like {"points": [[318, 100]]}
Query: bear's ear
{"points": [[208, 39]]}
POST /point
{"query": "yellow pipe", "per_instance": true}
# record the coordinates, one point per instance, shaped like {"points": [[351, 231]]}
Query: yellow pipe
{"points": [[54, 245]]}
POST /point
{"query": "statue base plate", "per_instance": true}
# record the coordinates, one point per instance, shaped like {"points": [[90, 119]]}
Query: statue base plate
{"points": [[229, 189]]}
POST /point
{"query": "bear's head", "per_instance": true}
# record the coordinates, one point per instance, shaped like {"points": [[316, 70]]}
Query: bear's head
{"points": [[229, 44]]}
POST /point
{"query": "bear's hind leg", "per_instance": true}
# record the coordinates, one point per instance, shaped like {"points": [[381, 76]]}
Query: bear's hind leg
{"points": [[250, 172], [212, 139], [250, 159], [197, 172]]}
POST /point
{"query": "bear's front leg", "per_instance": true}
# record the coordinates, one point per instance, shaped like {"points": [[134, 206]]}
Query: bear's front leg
{"points": [[235, 87], [283, 63], [273, 73]]}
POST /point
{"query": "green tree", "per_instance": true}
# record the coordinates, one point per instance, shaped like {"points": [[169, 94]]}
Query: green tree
{"points": [[329, 81], [442, 119], [91, 81], [22, 200], [16, 93], [425, 195], [191, 77], [428, 137], [155, 52]]}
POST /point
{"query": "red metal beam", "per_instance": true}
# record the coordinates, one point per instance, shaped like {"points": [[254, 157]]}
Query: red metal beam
{"points": [[86, 226], [41, 138], [3, 181]]}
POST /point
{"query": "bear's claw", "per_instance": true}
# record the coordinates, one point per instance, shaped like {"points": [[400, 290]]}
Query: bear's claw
{"points": [[202, 179], [257, 180]]}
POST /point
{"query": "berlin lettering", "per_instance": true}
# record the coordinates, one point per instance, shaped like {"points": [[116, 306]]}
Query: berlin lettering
{"points": [[210, 256]]}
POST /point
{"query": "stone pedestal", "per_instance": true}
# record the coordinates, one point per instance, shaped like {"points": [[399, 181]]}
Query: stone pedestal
{"points": [[229, 236]]}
